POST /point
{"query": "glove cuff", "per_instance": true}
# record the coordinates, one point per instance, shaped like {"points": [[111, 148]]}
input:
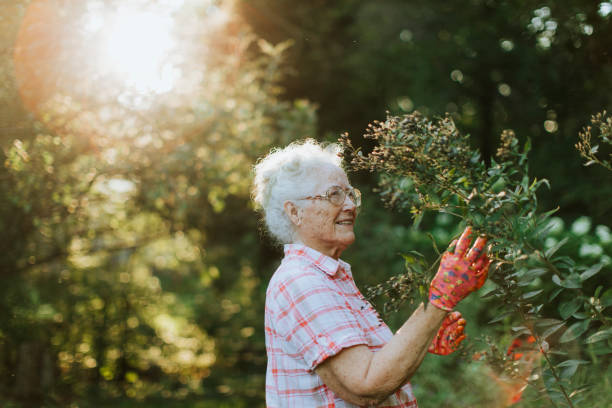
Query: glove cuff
{"points": [[440, 300]]}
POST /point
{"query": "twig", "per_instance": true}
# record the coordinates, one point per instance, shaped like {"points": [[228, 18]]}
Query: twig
{"points": [[545, 354]]}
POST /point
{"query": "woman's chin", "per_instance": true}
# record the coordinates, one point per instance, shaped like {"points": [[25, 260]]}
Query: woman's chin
{"points": [[347, 239]]}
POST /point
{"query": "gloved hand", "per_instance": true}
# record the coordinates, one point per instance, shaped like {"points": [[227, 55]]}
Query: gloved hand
{"points": [[450, 335], [460, 272]]}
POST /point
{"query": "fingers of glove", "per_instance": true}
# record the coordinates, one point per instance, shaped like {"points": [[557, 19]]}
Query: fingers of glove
{"points": [[455, 340], [464, 242], [477, 249], [443, 346], [447, 344], [452, 332], [459, 339], [437, 344], [443, 350], [480, 262], [452, 317], [482, 275], [451, 246], [450, 340], [455, 331]]}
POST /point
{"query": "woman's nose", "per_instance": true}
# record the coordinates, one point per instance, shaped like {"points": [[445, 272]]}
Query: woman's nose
{"points": [[349, 203]]}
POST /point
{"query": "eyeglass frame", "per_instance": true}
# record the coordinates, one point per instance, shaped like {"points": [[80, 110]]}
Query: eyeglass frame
{"points": [[355, 196]]}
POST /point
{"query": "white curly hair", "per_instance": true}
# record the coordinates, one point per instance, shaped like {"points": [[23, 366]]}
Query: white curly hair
{"points": [[287, 174]]}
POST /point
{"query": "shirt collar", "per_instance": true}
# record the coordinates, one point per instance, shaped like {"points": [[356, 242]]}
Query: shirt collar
{"points": [[325, 263]]}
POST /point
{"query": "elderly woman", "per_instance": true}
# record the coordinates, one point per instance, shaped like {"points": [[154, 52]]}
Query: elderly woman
{"points": [[326, 345]]}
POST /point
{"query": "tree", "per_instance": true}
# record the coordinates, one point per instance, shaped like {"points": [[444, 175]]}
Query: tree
{"points": [[129, 246], [540, 70]]}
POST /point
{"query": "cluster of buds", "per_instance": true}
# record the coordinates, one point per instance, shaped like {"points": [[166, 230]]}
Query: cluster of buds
{"points": [[603, 123]]}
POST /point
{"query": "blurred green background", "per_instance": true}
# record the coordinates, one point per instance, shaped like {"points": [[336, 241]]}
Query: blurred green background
{"points": [[133, 267]]}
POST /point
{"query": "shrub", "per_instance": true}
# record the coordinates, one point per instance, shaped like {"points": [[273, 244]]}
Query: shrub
{"points": [[426, 165]]}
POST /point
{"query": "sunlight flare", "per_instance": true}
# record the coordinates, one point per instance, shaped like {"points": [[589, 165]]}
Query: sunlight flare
{"points": [[137, 48]]}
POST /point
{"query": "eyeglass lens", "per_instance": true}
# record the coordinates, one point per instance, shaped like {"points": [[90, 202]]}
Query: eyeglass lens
{"points": [[337, 196]]}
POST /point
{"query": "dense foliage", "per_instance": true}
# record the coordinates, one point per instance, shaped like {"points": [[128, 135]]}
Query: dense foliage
{"points": [[130, 255], [426, 165], [539, 69]]}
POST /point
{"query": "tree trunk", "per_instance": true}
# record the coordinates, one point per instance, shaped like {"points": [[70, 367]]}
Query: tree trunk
{"points": [[35, 374]]}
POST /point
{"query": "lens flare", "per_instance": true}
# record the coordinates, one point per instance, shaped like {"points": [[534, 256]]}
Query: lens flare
{"points": [[101, 68], [137, 48]]}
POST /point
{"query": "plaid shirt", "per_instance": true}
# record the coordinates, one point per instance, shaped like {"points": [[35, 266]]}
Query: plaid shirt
{"points": [[313, 311]]}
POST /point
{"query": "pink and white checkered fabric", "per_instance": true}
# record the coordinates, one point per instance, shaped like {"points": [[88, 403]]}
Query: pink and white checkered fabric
{"points": [[313, 311]]}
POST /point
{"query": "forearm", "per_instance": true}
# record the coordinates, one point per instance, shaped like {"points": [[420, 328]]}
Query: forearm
{"points": [[399, 359], [364, 377]]}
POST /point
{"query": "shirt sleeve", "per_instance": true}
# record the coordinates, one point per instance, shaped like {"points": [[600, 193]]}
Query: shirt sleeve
{"points": [[315, 320]]}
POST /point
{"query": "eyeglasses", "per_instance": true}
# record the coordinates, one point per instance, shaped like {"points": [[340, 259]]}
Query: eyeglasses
{"points": [[337, 195]]}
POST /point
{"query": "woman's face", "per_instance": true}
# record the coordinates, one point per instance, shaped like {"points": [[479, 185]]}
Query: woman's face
{"points": [[323, 226]]}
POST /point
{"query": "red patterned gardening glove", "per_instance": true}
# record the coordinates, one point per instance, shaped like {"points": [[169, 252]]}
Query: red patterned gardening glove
{"points": [[449, 336], [460, 272]]}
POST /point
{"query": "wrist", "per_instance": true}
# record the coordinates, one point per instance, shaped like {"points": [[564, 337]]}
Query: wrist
{"points": [[438, 310], [441, 300]]}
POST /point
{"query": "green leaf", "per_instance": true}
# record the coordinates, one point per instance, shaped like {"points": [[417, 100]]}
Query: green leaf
{"points": [[557, 396], [593, 270], [547, 322], [557, 280], [536, 272], [598, 291], [536, 309], [530, 275], [566, 309], [580, 315], [417, 253], [606, 298], [424, 293], [599, 336], [565, 262], [547, 214], [500, 317], [551, 251], [569, 363], [601, 350], [572, 281], [570, 367], [531, 294], [552, 329], [574, 331], [527, 146], [492, 292], [417, 219], [555, 293], [414, 261]]}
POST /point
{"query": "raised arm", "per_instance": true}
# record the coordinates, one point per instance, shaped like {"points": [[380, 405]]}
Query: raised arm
{"points": [[362, 377]]}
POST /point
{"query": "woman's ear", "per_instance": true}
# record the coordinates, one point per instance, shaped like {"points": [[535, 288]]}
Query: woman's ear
{"points": [[293, 212]]}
